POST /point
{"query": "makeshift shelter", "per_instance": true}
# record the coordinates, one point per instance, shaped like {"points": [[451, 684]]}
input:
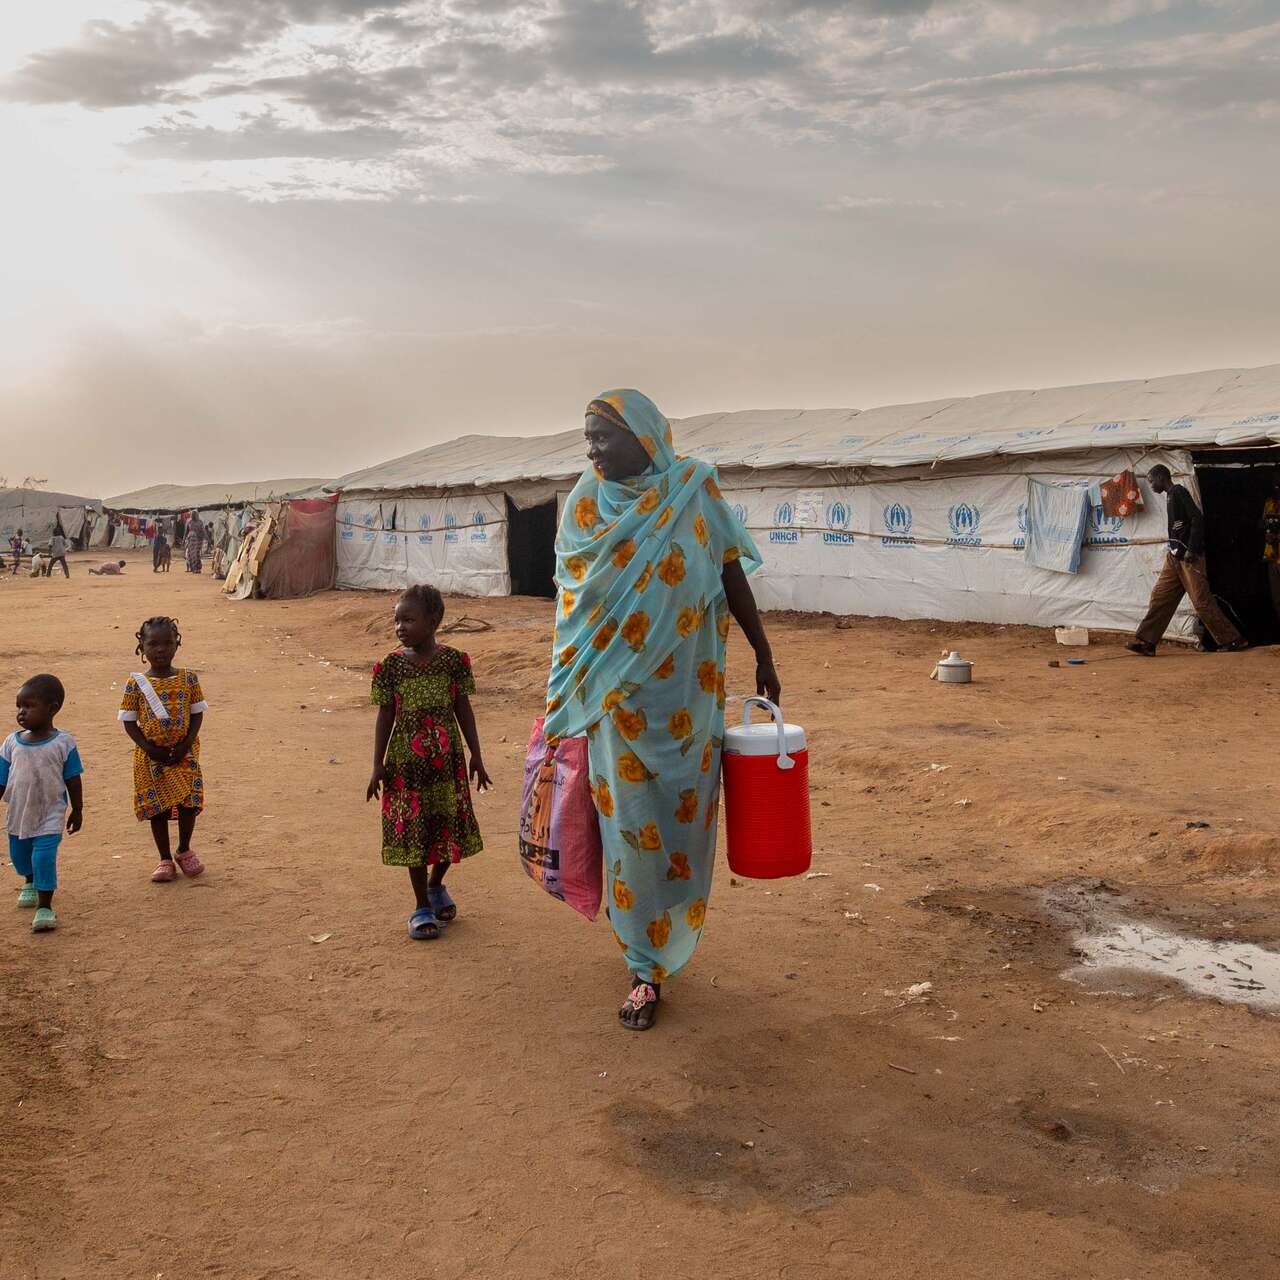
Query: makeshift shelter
{"points": [[36, 512], [289, 552], [910, 511]]}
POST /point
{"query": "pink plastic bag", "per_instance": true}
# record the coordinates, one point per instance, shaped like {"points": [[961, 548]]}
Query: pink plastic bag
{"points": [[559, 832]]}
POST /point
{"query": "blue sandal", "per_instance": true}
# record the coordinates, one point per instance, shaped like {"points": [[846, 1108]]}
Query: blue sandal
{"points": [[423, 925], [443, 905]]}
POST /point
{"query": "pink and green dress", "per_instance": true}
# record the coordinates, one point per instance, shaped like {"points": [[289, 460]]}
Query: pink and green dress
{"points": [[427, 816]]}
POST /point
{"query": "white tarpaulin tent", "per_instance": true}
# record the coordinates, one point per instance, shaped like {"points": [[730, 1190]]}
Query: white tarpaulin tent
{"points": [[35, 512], [907, 510], [212, 501], [195, 497]]}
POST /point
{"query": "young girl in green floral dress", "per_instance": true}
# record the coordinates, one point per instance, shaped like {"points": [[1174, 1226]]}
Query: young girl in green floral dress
{"points": [[422, 692]]}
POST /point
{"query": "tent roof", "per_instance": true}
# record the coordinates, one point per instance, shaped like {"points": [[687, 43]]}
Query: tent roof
{"points": [[186, 497], [10, 498], [1219, 407]]}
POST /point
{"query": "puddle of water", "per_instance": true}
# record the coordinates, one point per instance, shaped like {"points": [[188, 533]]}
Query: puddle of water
{"points": [[1232, 971]]}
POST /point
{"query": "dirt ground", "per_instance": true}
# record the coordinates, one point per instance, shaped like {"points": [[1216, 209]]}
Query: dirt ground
{"points": [[258, 1074]]}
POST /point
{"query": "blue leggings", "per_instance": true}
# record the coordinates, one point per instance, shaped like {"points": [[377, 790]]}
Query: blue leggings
{"points": [[37, 858]]}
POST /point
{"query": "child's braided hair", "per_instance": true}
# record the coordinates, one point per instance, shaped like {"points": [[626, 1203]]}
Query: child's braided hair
{"points": [[160, 620], [427, 598]]}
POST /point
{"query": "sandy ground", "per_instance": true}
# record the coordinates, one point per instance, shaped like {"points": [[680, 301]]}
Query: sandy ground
{"points": [[192, 1084]]}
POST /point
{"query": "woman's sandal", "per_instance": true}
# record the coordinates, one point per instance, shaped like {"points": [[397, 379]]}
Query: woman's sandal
{"points": [[642, 1004], [423, 925], [444, 906]]}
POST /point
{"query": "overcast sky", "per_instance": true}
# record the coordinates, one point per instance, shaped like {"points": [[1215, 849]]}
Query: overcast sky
{"points": [[258, 238]]}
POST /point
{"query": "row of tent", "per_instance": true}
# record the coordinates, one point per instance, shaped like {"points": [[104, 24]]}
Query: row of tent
{"points": [[910, 511]]}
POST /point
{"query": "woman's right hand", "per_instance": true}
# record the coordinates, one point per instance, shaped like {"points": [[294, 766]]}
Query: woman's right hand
{"points": [[376, 782], [768, 685]]}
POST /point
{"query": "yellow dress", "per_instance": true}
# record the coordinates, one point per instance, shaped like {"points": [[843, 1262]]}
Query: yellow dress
{"points": [[164, 789]]}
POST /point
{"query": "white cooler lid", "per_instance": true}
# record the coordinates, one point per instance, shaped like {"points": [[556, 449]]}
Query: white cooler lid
{"points": [[761, 739]]}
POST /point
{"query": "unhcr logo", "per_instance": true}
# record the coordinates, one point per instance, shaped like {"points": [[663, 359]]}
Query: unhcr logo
{"points": [[964, 520], [451, 528], [1105, 531], [897, 525], [740, 513], [838, 518], [425, 535], [784, 516], [480, 534], [368, 521], [1023, 520]]}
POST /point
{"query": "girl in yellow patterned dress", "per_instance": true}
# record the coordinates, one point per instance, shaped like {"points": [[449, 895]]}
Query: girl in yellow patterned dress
{"points": [[162, 712]]}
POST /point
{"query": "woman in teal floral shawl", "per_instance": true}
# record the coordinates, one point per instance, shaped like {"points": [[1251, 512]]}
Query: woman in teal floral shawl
{"points": [[650, 564]]}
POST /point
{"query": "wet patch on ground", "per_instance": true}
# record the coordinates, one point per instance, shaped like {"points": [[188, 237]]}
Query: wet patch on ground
{"points": [[720, 1156], [1129, 942]]}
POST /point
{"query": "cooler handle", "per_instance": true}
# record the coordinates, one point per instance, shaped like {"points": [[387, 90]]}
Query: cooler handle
{"points": [[784, 761]]}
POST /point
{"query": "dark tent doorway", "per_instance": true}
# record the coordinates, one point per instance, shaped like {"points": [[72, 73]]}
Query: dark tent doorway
{"points": [[1234, 485], [531, 549]]}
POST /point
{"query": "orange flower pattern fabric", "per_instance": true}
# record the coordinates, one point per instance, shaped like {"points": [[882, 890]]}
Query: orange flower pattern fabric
{"points": [[641, 674]]}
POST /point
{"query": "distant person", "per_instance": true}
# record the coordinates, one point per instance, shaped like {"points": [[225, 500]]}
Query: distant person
{"points": [[111, 569], [1183, 574], [17, 544], [161, 553], [58, 546], [37, 564], [162, 711], [39, 779], [423, 695], [218, 565], [193, 545], [1271, 541]]}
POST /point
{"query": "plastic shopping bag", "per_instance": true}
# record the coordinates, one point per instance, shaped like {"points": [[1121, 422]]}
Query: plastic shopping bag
{"points": [[559, 832]]}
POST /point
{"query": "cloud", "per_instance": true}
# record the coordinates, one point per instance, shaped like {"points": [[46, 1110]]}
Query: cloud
{"points": [[119, 66], [886, 204], [389, 92], [116, 64], [262, 138]]}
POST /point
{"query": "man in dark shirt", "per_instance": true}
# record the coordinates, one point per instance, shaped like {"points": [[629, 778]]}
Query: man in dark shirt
{"points": [[1183, 574]]}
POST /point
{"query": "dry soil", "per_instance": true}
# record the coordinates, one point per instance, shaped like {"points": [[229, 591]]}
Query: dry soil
{"points": [[257, 1074]]}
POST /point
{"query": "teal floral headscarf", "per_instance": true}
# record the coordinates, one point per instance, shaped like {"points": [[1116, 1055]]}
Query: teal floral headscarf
{"points": [[638, 568]]}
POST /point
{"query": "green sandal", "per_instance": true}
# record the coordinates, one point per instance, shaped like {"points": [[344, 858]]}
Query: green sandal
{"points": [[28, 897], [44, 919]]}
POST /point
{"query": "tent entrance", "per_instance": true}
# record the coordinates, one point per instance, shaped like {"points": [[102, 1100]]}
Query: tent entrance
{"points": [[531, 549], [1234, 484]]}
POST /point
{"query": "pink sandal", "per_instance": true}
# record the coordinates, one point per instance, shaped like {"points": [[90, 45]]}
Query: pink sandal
{"points": [[190, 864], [164, 872]]}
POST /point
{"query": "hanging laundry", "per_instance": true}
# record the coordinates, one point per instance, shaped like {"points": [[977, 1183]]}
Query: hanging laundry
{"points": [[1119, 496], [1056, 517]]}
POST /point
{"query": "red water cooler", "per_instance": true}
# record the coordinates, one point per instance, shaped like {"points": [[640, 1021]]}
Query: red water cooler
{"points": [[766, 796]]}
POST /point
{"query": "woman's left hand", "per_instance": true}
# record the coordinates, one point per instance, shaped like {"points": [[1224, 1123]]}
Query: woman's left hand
{"points": [[480, 775], [768, 685]]}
